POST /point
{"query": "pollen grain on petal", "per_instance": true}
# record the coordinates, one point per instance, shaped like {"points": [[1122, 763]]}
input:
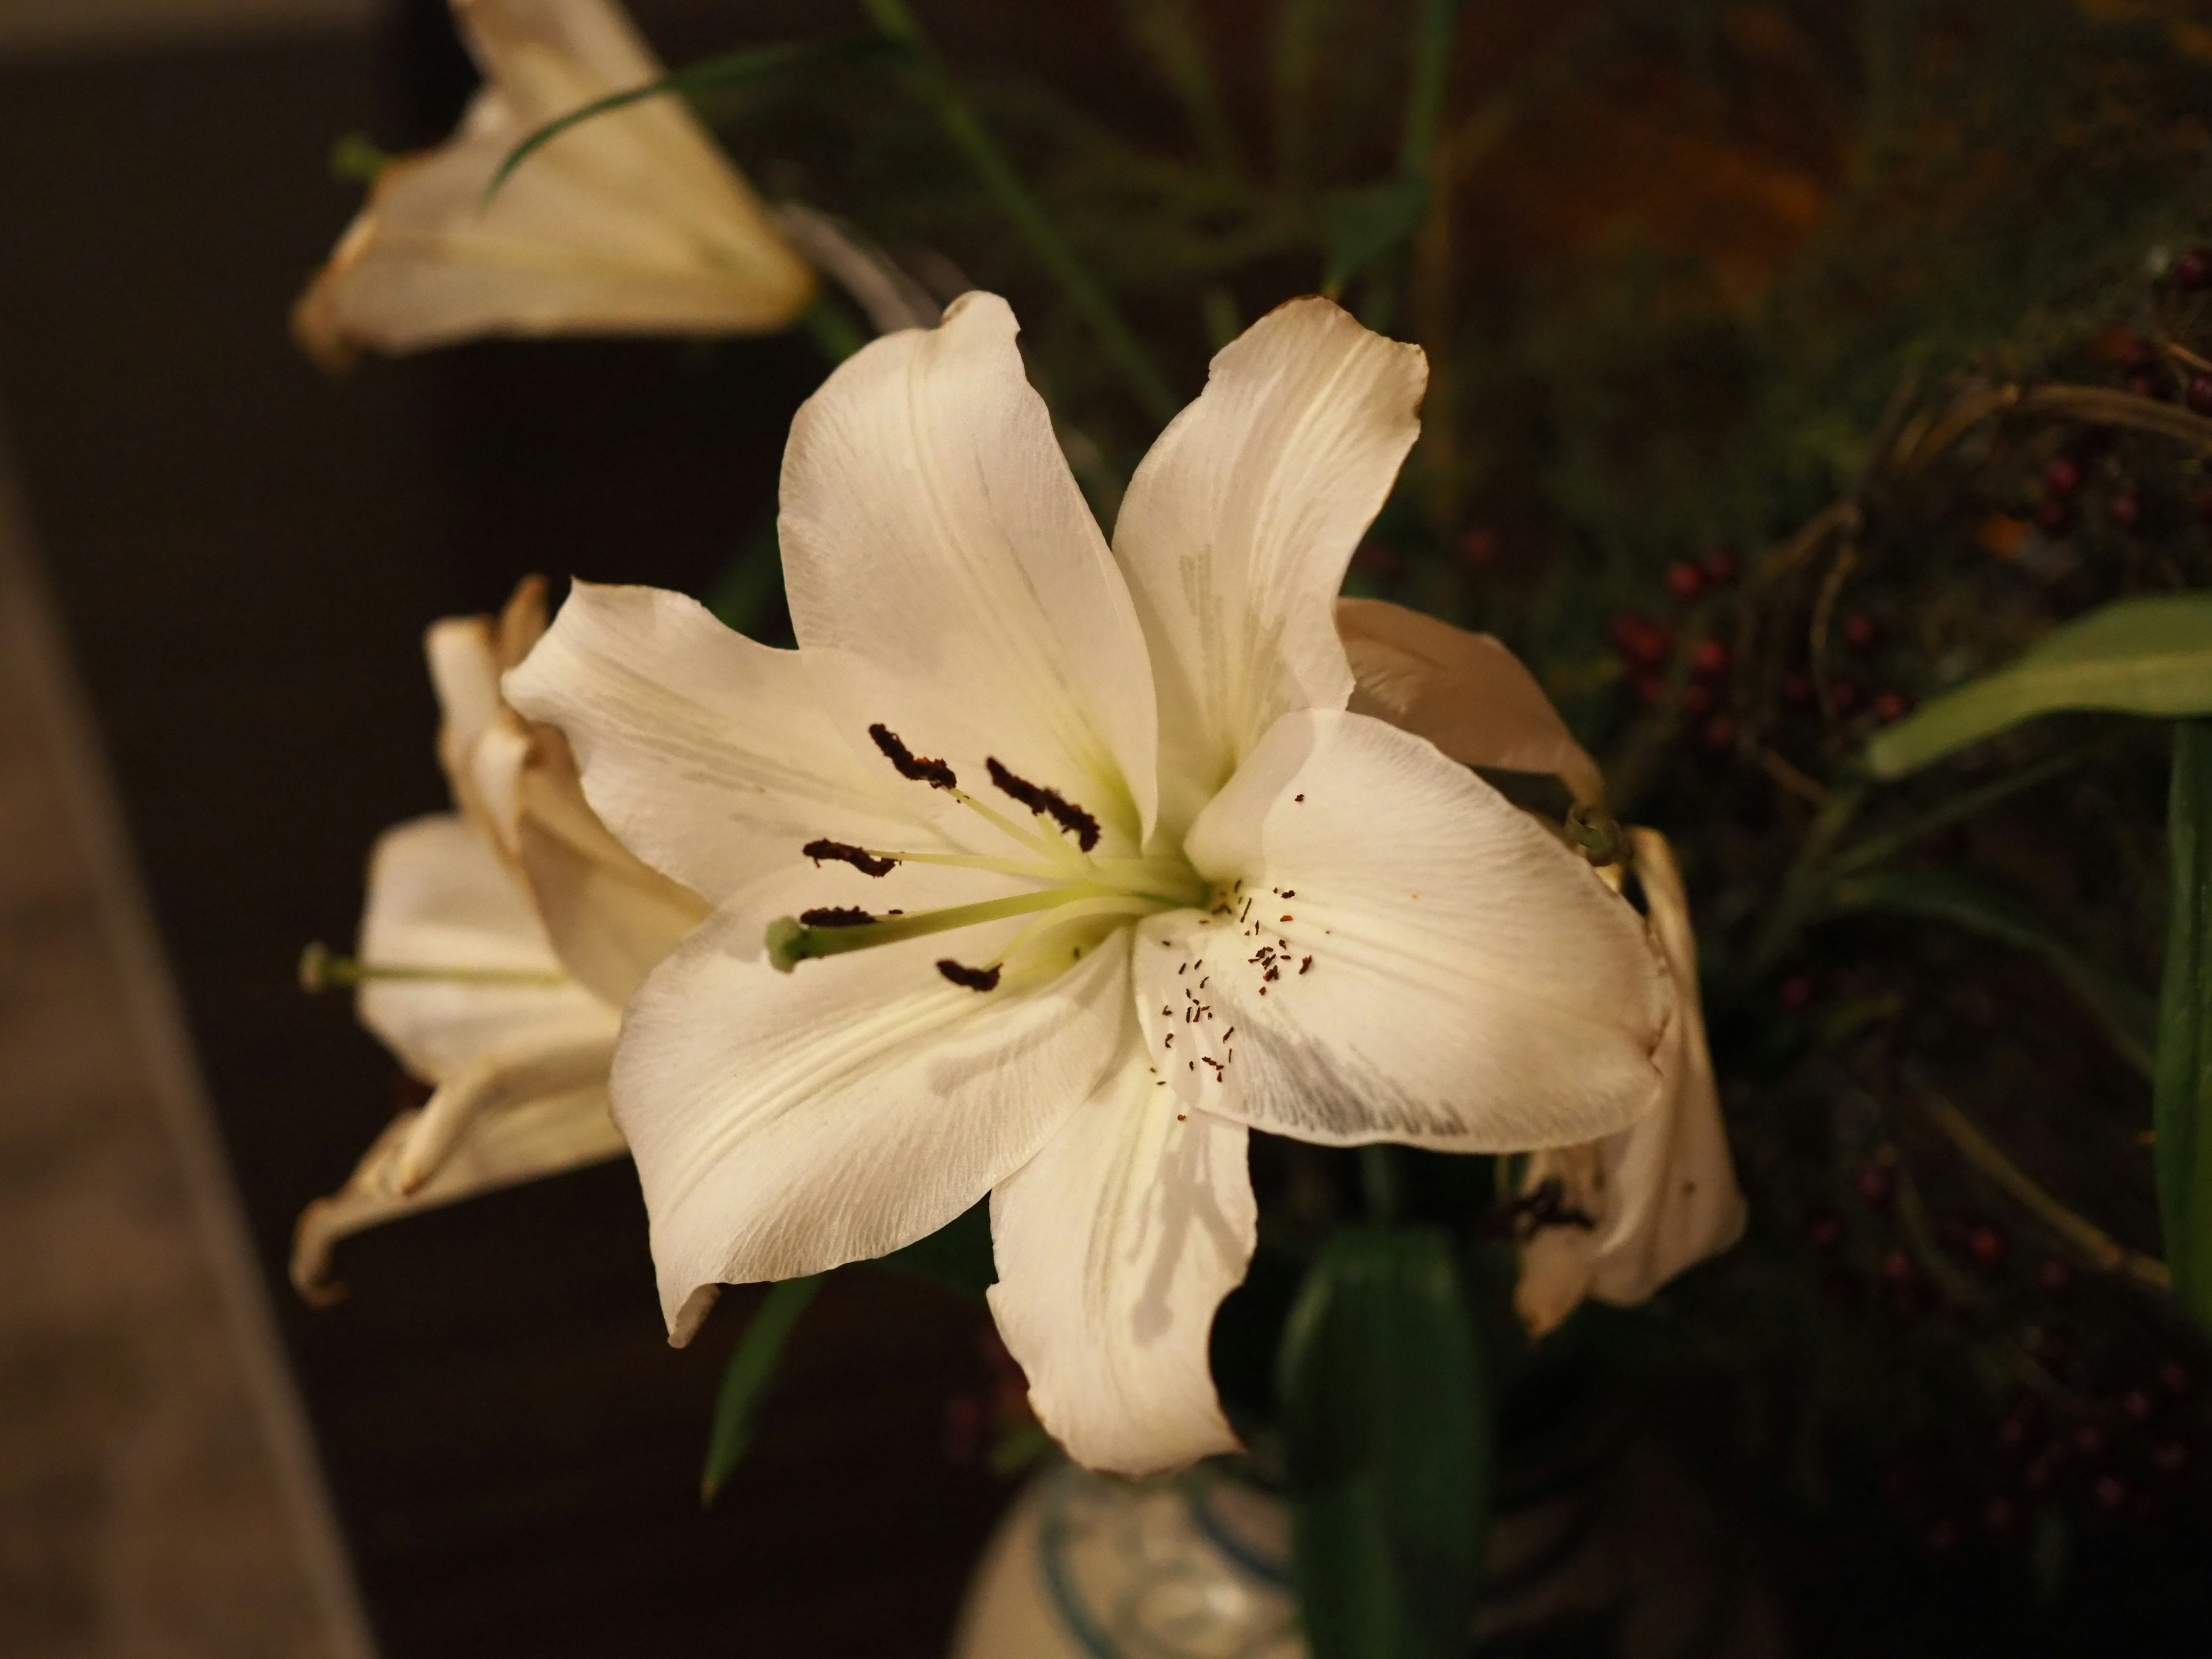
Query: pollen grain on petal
{"points": [[976, 979], [919, 768]]}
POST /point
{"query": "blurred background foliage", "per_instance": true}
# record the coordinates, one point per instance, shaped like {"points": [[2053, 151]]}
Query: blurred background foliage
{"points": [[1791, 363]]}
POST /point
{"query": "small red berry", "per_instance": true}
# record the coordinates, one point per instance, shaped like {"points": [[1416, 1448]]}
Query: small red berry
{"points": [[2169, 1457], [1891, 706], [1842, 696], [1796, 992], [1899, 1269], [1640, 639], [1376, 560], [2063, 477], [1860, 632], [2198, 395], [1797, 691], [1685, 580], [2137, 353], [2193, 270], [1875, 1185], [2126, 509], [2053, 1275], [1720, 733], [1719, 568], [1479, 547], [1986, 1245], [1710, 661], [1825, 1232], [2110, 1492], [1697, 700], [1649, 688], [2052, 515]]}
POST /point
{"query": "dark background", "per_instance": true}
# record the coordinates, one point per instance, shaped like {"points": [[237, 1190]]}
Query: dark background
{"points": [[246, 553]]}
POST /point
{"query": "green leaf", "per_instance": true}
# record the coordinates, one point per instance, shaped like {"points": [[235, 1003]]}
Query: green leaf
{"points": [[732, 68], [2182, 1097], [1387, 1441], [957, 1257], [745, 1382], [2124, 1010], [1362, 227], [2151, 655]]}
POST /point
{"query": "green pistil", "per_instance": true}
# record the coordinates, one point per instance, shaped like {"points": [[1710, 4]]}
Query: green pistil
{"points": [[322, 970]]}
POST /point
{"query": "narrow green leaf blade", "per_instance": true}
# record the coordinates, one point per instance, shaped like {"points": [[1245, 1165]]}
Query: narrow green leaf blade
{"points": [[2182, 1097], [745, 1382], [1387, 1438], [957, 1257], [2151, 655], [2124, 1010]]}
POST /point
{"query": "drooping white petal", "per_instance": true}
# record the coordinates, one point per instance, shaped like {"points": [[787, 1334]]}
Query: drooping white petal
{"points": [[439, 898], [1237, 527], [936, 547], [1115, 1246], [610, 917], [1408, 957], [1465, 693], [787, 1123], [1662, 1193], [633, 221], [531, 1137], [706, 754]]}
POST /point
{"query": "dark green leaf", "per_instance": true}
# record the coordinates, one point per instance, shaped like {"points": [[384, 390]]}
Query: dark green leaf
{"points": [[2182, 1108], [1387, 1441], [745, 1382], [2124, 1010], [956, 1257], [2151, 655], [1362, 227], [733, 69]]}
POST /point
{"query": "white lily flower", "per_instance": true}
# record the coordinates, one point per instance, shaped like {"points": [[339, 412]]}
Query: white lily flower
{"points": [[497, 948], [1659, 1196], [633, 221], [1046, 870]]}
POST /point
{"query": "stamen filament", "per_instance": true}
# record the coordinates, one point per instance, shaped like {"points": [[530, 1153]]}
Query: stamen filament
{"points": [[320, 969], [1051, 846], [791, 941]]}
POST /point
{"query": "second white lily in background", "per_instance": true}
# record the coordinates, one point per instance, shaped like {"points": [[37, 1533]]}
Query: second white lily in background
{"points": [[498, 945]]}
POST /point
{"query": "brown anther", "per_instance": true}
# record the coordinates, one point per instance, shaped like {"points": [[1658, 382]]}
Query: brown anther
{"points": [[842, 853], [837, 915], [976, 979], [919, 768]]}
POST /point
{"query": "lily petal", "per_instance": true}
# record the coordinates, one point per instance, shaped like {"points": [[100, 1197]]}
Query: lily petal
{"points": [[1465, 693], [704, 752], [936, 547], [1406, 957], [1238, 525], [440, 897], [1115, 1246], [609, 917], [1663, 1192], [788, 1123], [539, 1135], [631, 222]]}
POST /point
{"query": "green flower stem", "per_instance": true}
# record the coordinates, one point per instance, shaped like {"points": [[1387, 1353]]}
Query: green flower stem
{"points": [[1433, 23], [966, 130]]}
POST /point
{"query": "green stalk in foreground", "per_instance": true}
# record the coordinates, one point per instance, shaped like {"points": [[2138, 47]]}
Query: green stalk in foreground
{"points": [[967, 132], [2182, 1098]]}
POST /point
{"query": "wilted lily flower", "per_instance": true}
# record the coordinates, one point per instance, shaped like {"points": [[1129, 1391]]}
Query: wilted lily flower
{"points": [[1624, 1214], [498, 946], [630, 222], [1045, 869]]}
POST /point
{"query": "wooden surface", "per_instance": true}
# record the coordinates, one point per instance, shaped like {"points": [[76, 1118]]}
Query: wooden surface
{"points": [[245, 555]]}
